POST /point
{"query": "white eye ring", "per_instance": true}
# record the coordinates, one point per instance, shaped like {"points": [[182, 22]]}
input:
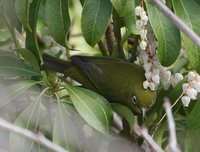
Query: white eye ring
{"points": [[134, 99]]}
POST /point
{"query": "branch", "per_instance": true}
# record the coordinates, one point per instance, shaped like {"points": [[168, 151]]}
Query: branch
{"points": [[141, 131], [28, 134], [177, 21], [117, 32], [173, 145], [102, 48]]}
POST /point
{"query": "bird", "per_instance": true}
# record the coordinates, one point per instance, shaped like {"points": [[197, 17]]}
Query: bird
{"points": [[117, 80]]}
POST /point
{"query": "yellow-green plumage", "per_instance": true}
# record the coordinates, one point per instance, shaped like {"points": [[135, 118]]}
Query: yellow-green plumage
{"points": [[115, 79]]}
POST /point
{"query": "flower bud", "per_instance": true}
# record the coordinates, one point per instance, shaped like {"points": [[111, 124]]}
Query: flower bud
{"points": [[191, 76], [145, 19], [192, 83], [156, 78], [145, 56], [152, 86], [139, 24], [173, 82], [185, 100], [148, 75], [143, 45], [145, 84], [197, 86], [192, 93], [178, 77], [198, 78], [185, 86], [138, 10], [156, 71], [166, 75], [147, 67], [143, 34]]}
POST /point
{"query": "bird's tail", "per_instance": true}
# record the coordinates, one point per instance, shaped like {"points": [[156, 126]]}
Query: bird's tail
{"points": [[55, 64]]}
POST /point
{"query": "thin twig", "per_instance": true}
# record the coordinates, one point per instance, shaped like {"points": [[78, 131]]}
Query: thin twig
{"points": [[102, 48], [141, 131], [177, 21], [158, 124], [173, 145], [110, 38], [39, 138]]}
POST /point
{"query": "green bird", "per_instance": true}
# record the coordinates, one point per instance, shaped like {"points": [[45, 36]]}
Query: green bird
{"points": [[117, 80]]}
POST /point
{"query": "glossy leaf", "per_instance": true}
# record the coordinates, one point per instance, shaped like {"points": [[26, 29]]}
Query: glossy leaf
{"points": [[120, 6], [31, 36], [14, 90], [57, 19], [12, 66], [188, 11], [67, 128], [126, 9], [94, 20], [94, 108], [29, 57], [129, 17], [168, 36], [192, 133], [125, 113], [22, 12]]}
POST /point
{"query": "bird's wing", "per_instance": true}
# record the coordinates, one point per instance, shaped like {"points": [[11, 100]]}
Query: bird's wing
{"points": [[107, 74], [89, 69]]}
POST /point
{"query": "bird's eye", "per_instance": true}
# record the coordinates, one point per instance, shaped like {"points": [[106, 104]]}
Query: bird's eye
{"points": [[134, 99]]}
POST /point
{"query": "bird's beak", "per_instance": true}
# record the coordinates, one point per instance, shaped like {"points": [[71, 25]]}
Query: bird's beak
{"points": [[143, 111]]}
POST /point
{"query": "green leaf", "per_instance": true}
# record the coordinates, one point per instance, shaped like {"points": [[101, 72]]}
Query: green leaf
{"points": [[168, 36], [31, 36], [22, 12], [120, 6], [193, 119], [9, 8], [158, 136], [94, 20], [29, 57], [57, 19], [126, 113], [14, 90], [126, 9], [12, 66], [67, 127], [94, 108], [129, 17], [30, 119], [192, 133], [198, 1], [188, 11]]}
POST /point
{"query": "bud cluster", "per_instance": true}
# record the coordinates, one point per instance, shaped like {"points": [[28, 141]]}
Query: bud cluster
{"points": [[191, 88], [155, 73], [140, 25]]}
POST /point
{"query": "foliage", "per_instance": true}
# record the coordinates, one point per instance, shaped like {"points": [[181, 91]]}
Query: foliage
{"points": [[72, 116]]}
